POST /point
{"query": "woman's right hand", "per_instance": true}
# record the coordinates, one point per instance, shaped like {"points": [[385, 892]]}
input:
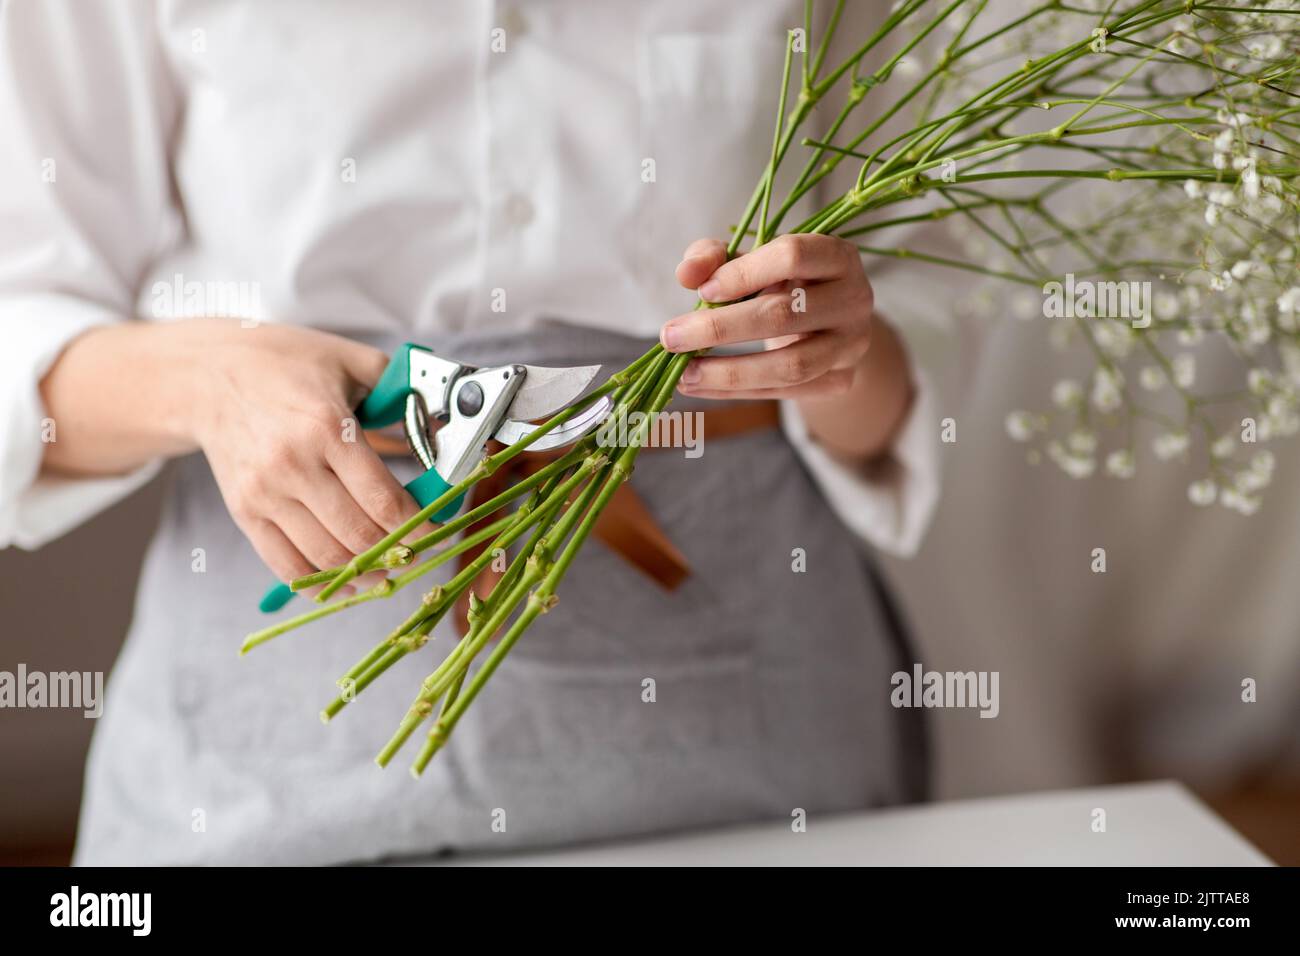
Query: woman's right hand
{"points": [[271, 407]]}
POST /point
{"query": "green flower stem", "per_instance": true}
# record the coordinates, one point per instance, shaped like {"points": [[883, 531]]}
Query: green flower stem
{"points": [[776, 140], [384, 589], [545, 596], [366, 560]]}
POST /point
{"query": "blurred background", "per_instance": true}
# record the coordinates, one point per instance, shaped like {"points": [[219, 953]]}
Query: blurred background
{"points": [[1131, 674]]}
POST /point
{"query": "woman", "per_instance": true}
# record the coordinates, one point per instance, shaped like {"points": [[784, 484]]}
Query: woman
{"points": [[473, 176]]}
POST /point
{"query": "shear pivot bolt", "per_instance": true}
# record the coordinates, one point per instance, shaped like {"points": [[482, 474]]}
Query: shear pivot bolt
{"points": [[469, 400]]}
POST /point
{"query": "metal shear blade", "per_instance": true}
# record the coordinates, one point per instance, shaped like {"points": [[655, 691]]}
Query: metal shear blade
{"points": [[565, 433]]}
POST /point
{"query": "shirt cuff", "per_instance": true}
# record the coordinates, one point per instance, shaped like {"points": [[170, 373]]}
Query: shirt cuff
{"points": [[36, 509], [889, 503]]}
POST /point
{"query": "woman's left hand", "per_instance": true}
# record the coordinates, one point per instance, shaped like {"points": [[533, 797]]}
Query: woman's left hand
{"points": [[813, 311]]}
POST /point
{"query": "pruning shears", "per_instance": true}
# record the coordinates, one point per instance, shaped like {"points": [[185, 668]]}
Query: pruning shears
{"points": [[472, 405]]}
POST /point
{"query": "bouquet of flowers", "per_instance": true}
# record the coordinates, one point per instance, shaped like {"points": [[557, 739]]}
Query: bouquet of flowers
{"points": [[1179, 117]]}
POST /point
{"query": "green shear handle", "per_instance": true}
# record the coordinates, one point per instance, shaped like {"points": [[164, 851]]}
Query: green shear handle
{"points": [[385, 406]]}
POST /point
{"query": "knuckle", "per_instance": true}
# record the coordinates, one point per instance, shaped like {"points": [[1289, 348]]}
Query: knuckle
{"points": [[713, 328], [840, 382], [776, 313], [847, 252], [865, 297], [334, 554], [251, 492], [730, 375], [795, 368], [358, 529], [741, 275], [386, 506], [793, 255], [325, 424], [279, 457]]}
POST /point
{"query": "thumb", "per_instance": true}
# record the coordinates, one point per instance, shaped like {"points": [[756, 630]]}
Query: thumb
{"points": [[363, 364]]}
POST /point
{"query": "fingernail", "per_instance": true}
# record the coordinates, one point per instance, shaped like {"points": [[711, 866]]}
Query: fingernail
{"points": [[671, 336], [690, 374], [690, 259], [711, 291]]}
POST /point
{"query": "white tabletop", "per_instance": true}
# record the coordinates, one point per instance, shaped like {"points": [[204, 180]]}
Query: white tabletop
{"points": [[1150, 824]]}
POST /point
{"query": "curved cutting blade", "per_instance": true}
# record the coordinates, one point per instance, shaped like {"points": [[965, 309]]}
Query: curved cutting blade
{"points": [[547, 390], [563, 434]]}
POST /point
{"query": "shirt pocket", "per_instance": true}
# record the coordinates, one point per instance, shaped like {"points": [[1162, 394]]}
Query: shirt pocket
{"points": [[707, 110]]}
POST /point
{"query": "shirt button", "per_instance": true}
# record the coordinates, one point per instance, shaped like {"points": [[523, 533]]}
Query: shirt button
{"points": [[518, 210]]}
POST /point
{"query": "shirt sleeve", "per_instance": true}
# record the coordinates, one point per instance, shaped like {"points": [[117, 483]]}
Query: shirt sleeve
{"points": [[890, 504], [86, 107]]}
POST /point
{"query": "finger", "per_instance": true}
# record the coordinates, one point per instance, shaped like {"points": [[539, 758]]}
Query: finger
{"points": [[804, 257], [769, 316], [309, 536], [700, 260], [838, 381], [373, 487], [793, 364], [278, 553], [339, 513], [364, 364]]}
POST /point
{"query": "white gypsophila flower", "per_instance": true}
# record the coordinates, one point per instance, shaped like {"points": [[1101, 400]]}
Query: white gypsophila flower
{"points": [[1020, 426], [1219, 195], [1110, 338], [1190, 336], [1107, 389], [1082, 442], [1279, 404], [1243, 268], [1238, 502], [1076, 466], [1250, 481], [1165, 306], [908, 67], [1184, 367], [1202, 492], [1259, 380], [1193, 188], [1250, 181], [1026, 306], [1263, 462], [1121, 464], [1212, 215], [1067, 393], [1223, 446], [1151, 378], [1170, 445], [1288, 303]]}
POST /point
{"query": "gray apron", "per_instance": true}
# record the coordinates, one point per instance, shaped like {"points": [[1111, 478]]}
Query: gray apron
{"points": [[771, 687]]}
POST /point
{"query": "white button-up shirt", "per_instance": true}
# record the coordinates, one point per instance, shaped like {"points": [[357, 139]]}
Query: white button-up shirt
{"points": [[399, 167]]}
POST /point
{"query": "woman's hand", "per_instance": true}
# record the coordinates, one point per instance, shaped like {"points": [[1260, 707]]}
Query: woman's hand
{"points": [[813, 308], [270, 406]]}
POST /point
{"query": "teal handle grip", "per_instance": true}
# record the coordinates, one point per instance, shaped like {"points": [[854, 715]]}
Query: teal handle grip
{"points": [[428, 488], [385, 406]]}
